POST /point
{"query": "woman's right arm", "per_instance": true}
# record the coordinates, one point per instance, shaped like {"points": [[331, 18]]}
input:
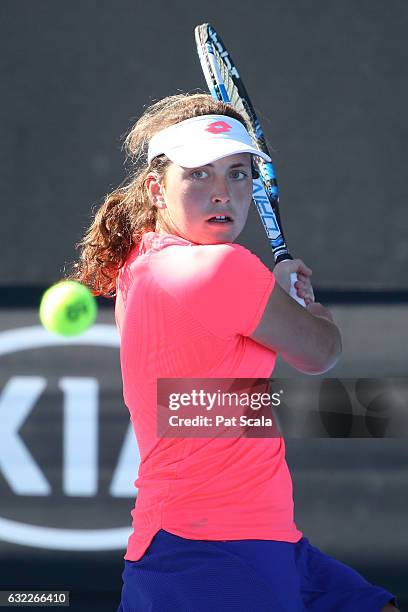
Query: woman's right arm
{"points": [[306, 338]]}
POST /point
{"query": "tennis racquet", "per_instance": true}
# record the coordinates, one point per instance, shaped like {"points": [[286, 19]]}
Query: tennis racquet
{"points": [[225, 84]]}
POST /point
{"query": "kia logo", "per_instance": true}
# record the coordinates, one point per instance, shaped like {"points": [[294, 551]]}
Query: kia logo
{"points": [[66, 442]]}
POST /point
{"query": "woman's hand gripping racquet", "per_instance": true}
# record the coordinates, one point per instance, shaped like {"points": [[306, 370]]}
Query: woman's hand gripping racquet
{"points": [[225, 84]]}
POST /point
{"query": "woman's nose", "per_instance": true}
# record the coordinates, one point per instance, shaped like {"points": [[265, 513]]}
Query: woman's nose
{"points": [[220, 192], [218, 199]]}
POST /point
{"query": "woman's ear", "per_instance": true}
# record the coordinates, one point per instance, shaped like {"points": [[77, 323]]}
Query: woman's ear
{"points": [[155, 190]]}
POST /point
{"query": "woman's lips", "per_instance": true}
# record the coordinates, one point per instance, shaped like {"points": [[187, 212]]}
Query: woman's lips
{"points": [[222, 221]]}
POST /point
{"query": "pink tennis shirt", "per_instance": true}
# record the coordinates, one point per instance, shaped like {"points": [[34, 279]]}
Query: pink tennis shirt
{"points": [[185, 311]]}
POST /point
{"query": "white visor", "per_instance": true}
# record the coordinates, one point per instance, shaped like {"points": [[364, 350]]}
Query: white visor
{"points": [[202, 140]]}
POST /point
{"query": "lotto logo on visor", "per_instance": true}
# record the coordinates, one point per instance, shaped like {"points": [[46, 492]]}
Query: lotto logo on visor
{"points": [[202, 140], [218, 127]]}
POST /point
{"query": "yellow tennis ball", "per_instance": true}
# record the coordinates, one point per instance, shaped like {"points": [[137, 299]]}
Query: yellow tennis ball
{"points": [[68, 308]]}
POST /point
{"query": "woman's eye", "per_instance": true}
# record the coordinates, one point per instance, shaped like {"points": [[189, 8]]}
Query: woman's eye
{"points": [[239, 174], [199, 174]]}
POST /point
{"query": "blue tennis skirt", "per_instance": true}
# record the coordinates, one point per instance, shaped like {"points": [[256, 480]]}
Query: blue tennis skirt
{"points": [[180, 575]]}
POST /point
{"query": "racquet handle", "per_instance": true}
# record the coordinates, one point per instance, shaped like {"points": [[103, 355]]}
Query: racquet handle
{"points": [[292, 292]]}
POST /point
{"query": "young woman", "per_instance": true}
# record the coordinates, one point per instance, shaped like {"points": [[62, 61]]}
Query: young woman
{"points": [[213, 520]]}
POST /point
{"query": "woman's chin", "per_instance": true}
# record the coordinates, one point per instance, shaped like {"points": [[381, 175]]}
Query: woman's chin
{"points": [[220, 232]]}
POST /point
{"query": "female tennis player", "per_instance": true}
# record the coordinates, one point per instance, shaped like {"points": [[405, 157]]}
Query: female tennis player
{"points": [[213, 525]]}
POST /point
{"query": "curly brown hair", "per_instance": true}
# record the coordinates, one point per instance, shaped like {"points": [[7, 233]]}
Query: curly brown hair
{"points": [[127, 212]]}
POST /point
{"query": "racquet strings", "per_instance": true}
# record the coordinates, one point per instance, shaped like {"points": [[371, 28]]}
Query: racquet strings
{"points": [[230, 86]]}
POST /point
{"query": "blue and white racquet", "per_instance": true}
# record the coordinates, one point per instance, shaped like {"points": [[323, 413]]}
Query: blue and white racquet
{"points": [[225, 84]]}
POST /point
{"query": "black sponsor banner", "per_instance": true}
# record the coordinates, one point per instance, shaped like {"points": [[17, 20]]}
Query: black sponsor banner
{"points": [[68, 454], [293, 408]]}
